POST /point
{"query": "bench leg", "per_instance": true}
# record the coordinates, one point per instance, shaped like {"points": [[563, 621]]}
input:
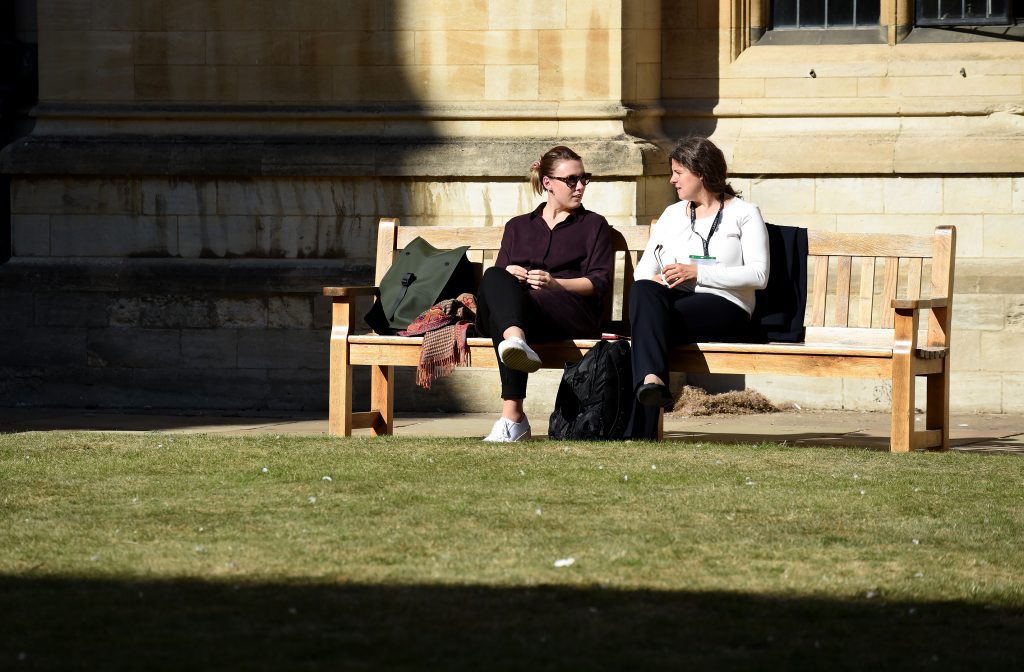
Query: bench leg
{"points": [[902, 437], [382, 399], [339, 403], [902, 432], [937, 413]]}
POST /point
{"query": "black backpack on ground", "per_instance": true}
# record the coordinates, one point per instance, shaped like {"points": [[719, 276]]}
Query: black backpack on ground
{"points": [[595, 396]]}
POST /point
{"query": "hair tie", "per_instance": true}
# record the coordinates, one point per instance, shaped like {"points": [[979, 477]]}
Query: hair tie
{"points": [[535, 165]]}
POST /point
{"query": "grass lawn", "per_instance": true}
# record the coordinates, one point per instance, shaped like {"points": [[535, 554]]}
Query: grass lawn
{"points": [[158, 551]]}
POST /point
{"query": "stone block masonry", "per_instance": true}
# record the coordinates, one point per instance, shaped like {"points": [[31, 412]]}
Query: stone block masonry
{"points": [[154, 334], [100, 296], [205, 293]]}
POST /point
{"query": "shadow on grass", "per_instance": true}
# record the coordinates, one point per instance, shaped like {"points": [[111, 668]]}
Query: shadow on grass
{"points": [[116, 625], [855, 440], [16, 421]]}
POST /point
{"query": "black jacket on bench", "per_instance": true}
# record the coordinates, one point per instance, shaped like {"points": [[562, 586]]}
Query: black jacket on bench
{"points": [[779, 307]]}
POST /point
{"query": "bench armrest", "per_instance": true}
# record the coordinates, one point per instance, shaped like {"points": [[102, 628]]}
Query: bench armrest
{"points": [[349, 291], [907, 315], [343, 305], [920, 304]]}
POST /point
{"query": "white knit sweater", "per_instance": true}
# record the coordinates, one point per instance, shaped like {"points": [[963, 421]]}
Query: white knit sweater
{"points": [[740, 248]]}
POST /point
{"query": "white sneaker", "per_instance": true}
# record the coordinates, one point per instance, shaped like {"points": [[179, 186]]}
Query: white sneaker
{"points": [[505, 431], [516, 354]]}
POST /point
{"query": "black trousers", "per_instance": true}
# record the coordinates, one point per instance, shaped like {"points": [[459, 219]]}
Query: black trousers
{"points": [[661, 318], [503, 302]]}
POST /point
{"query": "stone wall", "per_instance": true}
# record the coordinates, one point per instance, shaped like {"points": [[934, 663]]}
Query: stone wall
{"points": [[194, 293], [988, 327], [198, 169], [423, 53]]}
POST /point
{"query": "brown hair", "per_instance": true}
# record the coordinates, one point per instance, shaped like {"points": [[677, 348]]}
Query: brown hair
{"points": [[547, 164], [704, 159]]}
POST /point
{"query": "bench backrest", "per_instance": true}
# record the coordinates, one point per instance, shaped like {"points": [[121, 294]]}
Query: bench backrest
{"points": [[852, 278], [627, 241]]}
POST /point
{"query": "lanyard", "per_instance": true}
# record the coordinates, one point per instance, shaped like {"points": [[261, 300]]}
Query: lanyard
{"points": [[714, 224]]}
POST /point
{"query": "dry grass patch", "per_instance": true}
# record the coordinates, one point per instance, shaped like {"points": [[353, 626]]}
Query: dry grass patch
{"points": [[695, 401]]}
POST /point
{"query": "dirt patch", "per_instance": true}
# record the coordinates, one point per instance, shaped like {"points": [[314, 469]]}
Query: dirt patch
{"points": [[697, 401]]}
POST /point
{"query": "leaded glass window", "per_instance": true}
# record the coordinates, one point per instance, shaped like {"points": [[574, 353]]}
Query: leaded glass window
{"points": [[825, 13], [963, 12]]}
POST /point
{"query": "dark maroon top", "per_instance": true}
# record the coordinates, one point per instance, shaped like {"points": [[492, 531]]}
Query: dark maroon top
{"points": [[579, 247]]}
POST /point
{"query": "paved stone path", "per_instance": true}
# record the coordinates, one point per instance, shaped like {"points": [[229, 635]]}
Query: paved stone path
{"points": [[969, 432]]}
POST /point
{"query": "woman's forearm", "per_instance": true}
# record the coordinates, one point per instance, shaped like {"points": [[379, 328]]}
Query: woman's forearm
{"points": [[581, 286]]}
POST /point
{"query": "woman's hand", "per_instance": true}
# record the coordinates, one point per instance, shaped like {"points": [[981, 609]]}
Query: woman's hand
{"points": [[518, 272], [538, 279], [675, 274]]}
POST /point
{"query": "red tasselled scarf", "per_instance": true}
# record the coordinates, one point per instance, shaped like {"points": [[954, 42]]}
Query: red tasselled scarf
{"points": [[444, 327]]}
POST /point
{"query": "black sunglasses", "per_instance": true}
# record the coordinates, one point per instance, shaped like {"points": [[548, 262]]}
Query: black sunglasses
{"points": [[573, 180]]}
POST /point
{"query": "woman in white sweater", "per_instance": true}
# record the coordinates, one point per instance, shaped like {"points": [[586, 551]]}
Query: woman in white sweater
{"points": [[706, 256]]}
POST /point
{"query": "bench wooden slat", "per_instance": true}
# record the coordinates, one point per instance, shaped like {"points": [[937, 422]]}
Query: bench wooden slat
{"points": [[892, 272], [489, 237], [407, 353], [832, 244], [447, 237], [866, 296], [581, 345], [788, 363], [861, 362], [843, 268], [914, 278], [366, 419], [927, 438], [818, 291], [873, 337]]}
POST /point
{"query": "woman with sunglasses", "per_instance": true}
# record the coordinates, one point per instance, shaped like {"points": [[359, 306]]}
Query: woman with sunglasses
{"points": [[705, 258], [548, 281]]}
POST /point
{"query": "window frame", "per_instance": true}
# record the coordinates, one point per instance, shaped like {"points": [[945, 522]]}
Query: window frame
{"points": [[1006, 19], [773, 34], [824, 25]]}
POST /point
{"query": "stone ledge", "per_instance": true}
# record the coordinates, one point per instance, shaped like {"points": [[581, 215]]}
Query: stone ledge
{"points": [[312, 156], [828, 107], [181, 276], [886, 145], [427, 111], [989, 276]]}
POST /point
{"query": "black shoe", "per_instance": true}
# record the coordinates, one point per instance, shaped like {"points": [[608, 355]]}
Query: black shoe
{"points": [[654, 394]]}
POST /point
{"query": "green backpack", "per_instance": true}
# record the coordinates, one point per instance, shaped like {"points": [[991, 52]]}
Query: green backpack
{"points": [[420, 276]]}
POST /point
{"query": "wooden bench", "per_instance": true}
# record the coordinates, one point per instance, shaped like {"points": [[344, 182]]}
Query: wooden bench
{"points": [[864, 320]]}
